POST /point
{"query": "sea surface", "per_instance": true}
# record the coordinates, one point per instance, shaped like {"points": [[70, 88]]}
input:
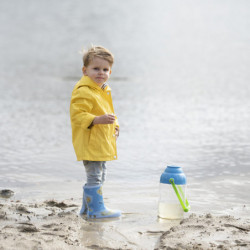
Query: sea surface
{"points": [[180, 86]]}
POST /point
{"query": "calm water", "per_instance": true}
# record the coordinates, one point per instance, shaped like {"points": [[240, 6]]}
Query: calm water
{"points": [[180, 87]]}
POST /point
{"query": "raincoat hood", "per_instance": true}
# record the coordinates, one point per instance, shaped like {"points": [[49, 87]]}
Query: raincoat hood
{"points": [[86, 81]]}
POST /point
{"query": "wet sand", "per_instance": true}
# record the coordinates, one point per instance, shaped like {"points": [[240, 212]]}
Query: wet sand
{"points": [[55, 224], [207, 232]]}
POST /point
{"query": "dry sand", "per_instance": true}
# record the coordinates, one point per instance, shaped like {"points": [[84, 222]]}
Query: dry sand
{"points": [[56, 225]]}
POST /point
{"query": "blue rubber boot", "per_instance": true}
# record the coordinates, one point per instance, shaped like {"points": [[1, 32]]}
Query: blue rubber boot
{"points": [[96, 207], [84, 207]]}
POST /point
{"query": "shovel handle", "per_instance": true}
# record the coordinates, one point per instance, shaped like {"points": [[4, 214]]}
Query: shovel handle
{"points": [[185, 206]]}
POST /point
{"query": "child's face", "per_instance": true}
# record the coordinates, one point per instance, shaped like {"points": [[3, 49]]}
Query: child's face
{"points": [[98, 70]]}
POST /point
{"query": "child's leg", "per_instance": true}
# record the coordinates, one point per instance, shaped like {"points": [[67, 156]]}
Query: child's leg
{"points": [[95, 172], [104, 171], [93, 204]]}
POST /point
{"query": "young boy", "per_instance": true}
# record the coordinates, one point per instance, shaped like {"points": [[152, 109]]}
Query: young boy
{"points": [[94, 128]]}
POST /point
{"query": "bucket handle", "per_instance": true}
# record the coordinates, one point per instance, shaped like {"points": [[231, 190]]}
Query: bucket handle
{"points": [[185, 206]]}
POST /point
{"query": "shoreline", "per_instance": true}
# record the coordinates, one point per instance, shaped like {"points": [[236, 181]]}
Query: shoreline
{"points": [[52, 224]]}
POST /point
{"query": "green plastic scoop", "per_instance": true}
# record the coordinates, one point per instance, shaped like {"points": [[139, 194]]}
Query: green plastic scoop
{"points": [[185, 205]]}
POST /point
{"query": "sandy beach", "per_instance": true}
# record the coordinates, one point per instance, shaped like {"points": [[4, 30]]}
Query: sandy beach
{"points": [[55, 224]]}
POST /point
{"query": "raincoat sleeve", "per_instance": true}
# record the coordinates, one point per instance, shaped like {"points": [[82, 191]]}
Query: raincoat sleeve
{"points": [[80, 108]]}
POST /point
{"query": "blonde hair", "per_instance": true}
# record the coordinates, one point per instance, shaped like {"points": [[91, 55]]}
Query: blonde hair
{"points": [[97, 51]]}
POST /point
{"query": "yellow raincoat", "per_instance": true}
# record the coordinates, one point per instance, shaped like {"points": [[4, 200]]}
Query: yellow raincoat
{"points": [[97, 143]]}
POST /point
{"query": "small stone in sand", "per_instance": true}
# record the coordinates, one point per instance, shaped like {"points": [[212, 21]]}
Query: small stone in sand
{"points": [[6, 193]]}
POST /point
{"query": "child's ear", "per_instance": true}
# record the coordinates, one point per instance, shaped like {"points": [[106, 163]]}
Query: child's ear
{"points": [[84, 70], [110, 72]]}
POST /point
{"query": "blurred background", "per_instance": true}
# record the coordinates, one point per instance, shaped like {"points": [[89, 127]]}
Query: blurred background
{"points": [[180, 86]]}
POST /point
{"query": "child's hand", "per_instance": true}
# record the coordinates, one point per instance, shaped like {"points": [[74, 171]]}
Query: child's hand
{"points": [[117, 131], [104, 119]]}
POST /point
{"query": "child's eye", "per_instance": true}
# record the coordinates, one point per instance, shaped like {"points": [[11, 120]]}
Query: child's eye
{"points": [[96, 68], [105, 70]]}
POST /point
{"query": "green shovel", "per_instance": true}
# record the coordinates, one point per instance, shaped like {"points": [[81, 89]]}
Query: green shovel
{"points": [[185, 205]]}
